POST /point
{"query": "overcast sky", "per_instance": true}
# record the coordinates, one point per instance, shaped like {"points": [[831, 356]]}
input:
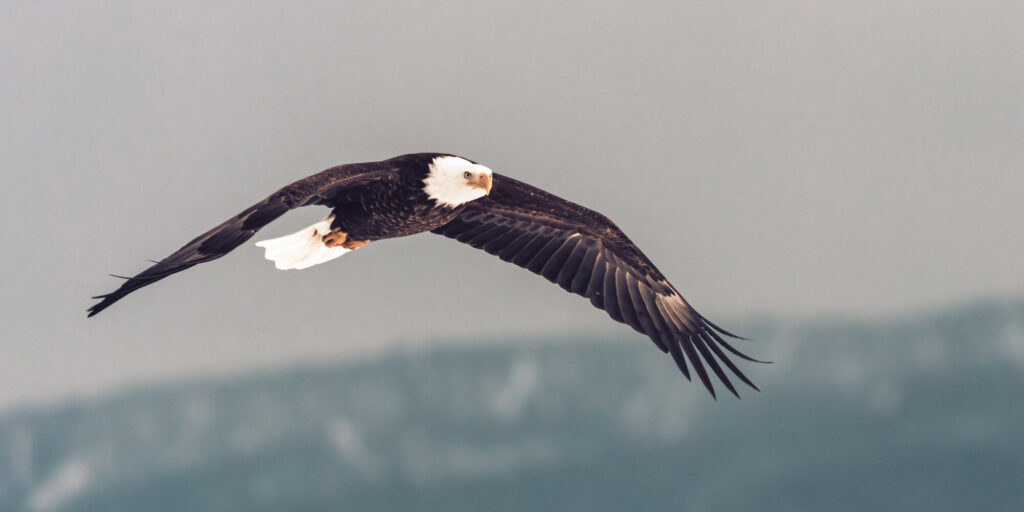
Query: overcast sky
{"points": [[773, 158]]}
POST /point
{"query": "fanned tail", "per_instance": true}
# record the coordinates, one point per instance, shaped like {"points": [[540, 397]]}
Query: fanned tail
{"points": [[302, 249]]}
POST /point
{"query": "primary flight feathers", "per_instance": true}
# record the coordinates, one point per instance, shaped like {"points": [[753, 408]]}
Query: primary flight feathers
{"points": [[574, 247]]}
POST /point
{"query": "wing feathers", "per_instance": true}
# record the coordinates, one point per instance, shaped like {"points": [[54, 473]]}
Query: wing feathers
{"points": [[572, 265], [640, 310], [557, 261], [698, 341], [515, 246], [499, 242], [230, 234], [530, 250], [540, 258], [677, 356], [729, 364], [584, 253], [582, 278], [661, 334], [595, 290]]}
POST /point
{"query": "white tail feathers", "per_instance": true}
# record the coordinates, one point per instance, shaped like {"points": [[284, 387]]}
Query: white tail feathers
{"points": [[302, 249]]}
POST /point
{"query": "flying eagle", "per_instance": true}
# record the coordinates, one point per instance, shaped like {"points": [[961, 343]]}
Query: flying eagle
{"points": [[577, 248]]}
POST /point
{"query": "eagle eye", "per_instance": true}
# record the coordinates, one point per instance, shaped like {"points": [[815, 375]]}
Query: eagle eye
{"points": [[467, 175]]}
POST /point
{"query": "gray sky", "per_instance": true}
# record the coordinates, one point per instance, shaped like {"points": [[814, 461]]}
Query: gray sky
{"points": [[773, 158]]}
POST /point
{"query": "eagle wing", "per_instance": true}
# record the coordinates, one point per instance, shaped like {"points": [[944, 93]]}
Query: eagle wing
{"points": [[586, 254], [319, 188]]}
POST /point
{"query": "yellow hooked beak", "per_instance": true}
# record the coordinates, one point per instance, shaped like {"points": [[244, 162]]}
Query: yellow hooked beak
{"points": [[482, 181]]}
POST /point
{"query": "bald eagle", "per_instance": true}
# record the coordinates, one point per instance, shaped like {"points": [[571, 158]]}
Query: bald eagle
{"points": [[574, 247]]}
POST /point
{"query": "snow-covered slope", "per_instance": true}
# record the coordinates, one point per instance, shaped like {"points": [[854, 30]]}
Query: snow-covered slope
{"points": [[922, 413]]}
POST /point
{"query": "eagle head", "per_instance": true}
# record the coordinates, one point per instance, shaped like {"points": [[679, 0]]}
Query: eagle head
{"points": [[452, 181]]}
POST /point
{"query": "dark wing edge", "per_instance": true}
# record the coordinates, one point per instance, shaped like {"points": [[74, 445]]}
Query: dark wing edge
{"points": [[584, 253], [224, 238]]}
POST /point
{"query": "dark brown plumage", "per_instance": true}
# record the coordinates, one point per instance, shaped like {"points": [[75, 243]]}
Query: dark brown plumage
{"points": [[586, 254], [574, 247]]}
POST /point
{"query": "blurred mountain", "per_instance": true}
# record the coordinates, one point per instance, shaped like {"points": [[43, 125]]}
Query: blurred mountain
{"points": [[919, 413]]}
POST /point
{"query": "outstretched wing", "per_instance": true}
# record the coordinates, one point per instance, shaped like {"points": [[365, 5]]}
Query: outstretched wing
{"points": [[586, 254], [316, 189]]}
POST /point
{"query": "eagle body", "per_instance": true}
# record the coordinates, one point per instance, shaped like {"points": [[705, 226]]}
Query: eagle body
{"points": [[393, 206], [574, 247]]}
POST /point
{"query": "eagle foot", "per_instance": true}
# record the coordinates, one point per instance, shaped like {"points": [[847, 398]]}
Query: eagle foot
{"points": [[338, 238], [354, 244], [335, 238]]}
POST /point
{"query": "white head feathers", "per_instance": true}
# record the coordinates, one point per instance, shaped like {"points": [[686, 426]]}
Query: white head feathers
{"points": [[453, 181]]}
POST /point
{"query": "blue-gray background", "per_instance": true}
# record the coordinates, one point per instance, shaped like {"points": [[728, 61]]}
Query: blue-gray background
{"points": [[847, 164]]}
